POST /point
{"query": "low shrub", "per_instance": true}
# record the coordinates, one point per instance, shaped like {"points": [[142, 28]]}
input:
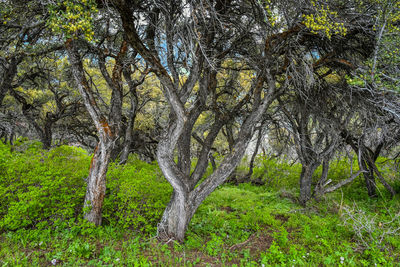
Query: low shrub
{"points": [[277, 173], [137, 195], [38, 188]]}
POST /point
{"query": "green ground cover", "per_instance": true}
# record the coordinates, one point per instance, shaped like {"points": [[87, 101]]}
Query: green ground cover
{"points": [[41, 196]]}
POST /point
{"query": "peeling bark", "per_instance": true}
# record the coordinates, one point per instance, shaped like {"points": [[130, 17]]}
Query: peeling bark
{"points": [[96, 181], [96, 184]]}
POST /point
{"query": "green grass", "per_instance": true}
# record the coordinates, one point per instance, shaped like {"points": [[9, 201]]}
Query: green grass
{"points": [[242, 225]]}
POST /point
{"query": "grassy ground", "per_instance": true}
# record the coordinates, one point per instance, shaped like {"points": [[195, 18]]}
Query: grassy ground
{"points": [[242, 225]]}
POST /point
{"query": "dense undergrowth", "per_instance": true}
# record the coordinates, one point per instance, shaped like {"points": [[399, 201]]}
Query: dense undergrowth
{"points": [[41, 196]]}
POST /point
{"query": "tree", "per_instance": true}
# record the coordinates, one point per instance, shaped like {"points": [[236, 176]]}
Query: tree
{"points": [[203, 44], [266, 38], [314, 141], [24, 38], [375, 125], [74, 20], [45, 98]]}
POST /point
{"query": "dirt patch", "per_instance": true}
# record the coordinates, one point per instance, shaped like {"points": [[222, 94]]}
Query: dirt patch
{"points": [[256, 243], [227, 209], [281, 217]]}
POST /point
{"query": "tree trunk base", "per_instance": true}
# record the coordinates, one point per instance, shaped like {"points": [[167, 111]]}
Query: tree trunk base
{"points": [[176, 218]]}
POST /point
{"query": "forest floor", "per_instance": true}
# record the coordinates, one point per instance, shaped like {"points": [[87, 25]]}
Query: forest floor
{"points": [[237, 225], [241, 225]]}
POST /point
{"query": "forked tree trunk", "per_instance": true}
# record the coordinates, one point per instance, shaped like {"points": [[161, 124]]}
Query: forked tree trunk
{"points": [[176, 217], [96, 183], [307, 172], [189, 193]]}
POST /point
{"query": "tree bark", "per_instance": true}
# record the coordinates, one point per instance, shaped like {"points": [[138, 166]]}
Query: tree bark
{"points": [[8, 76], [47, 133], [132, 84], [127, 141], [176, 217], [361, 150], [383, 181], [342, 183], [307, 172], [368, 177], [47, 138], [319, 189], [96, 183], [253, 157]]}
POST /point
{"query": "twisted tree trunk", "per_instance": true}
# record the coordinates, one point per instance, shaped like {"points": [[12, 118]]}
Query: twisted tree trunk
{"points": [[176, 217], [96, 183], [107, 130]]}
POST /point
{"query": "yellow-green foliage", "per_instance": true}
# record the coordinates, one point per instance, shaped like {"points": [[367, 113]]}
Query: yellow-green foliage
{"points": [[5, 13], [137, 195], [73, 17], [322, 21], [393, 16], [40, 188], [271, 16]]}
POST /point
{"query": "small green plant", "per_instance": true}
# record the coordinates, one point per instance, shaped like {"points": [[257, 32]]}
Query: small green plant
{"points": [[250, 225], [109, 255], [215, 246], [281, 237], [274, 255], [277, 173], [81, 249]]}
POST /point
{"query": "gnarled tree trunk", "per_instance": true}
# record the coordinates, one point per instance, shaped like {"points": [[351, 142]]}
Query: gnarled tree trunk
{"points": [[307, 172], [368, 177], [176, 217], [107, 130], [187, 104], [189, 193], [96, 183]]}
